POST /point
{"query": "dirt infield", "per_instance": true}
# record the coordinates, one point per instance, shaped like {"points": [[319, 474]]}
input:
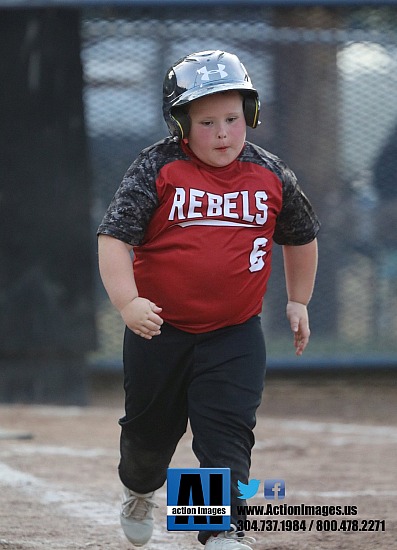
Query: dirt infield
{"points": [[332, 438]]}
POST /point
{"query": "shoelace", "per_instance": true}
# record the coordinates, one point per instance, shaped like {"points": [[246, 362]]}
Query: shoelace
{"points": [[138, 507], [235, 536]]}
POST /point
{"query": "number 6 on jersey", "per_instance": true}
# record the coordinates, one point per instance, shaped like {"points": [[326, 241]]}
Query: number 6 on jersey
{"points": [[256, 257]]}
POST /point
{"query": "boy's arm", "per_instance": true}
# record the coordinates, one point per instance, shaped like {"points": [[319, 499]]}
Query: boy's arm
{"points": [[115, 266], [300, 266]]}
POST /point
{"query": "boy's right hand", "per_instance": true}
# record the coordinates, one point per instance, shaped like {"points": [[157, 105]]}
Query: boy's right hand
{"points": [[142, 317]]}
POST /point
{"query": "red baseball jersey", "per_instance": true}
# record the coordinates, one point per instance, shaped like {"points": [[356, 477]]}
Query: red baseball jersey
{"points": [[202, 235]]}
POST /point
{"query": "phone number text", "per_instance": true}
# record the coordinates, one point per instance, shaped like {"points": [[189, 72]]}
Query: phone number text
{"points": [[361, 525]]}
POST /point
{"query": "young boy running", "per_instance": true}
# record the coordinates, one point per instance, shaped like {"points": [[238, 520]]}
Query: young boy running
{"points": [[200, 211]]}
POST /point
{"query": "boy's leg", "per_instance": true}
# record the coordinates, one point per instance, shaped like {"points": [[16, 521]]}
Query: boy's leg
{"points": [[156, 377], [224, 395]]}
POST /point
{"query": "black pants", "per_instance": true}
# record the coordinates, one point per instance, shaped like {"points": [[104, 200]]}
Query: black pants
{"points": [[214, 379]]}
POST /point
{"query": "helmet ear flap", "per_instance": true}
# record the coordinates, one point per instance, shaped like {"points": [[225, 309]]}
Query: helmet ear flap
{"points": [[181, 122], [251, 107]]}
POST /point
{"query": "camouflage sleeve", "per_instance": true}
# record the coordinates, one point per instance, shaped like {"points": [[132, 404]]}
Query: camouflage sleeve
{"points": [[297, 223], [133, 204]]}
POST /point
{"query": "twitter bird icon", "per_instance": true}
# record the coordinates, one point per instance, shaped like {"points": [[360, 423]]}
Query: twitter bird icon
{"points": [[250, 490]]}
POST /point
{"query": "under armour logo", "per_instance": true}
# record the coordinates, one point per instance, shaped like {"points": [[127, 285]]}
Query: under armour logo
{"points": [[206, 73]]}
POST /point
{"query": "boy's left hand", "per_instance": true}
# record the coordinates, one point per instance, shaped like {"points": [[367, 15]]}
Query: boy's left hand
{"points": [[299, 321]]}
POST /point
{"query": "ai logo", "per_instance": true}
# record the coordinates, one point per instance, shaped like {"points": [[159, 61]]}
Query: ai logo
{"points": [[198, 499], [206, 73]]}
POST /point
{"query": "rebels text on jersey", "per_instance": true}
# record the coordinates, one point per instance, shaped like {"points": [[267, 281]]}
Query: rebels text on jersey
{"points": [[203, 236]]}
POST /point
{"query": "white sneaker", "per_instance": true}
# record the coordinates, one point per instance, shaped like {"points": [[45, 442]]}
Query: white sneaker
{"points": [[229, 540], [136, 516]]}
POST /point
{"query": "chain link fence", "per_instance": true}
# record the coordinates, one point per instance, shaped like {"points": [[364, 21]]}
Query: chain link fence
{"points": [[327, 80]]}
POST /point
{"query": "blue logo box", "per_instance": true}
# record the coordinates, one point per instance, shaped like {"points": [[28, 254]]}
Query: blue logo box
{"points": [[198, 499]]}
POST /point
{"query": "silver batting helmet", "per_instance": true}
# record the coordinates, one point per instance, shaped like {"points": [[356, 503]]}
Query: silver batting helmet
{"points": [[200, 74]]}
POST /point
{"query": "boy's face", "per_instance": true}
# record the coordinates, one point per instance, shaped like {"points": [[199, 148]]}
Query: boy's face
{"points": [[218, 128]]}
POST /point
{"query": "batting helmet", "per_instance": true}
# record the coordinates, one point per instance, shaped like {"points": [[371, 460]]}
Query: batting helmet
{"points": [[200, 74]]}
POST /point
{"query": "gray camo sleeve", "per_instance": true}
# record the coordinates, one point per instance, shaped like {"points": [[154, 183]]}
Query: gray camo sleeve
{"points": [[297, 223], [133, 204]]}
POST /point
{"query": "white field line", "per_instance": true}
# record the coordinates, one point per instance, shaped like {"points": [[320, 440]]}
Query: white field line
{"points": [[338, 434], [333, 434], [74, 504], [79, 506], [389, 432], [33, 449]]}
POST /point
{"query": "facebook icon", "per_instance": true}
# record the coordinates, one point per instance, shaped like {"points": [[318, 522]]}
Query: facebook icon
{"points": [[274, 489]]}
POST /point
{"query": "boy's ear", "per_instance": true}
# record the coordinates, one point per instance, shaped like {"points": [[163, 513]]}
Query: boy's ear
{"points": [[182, 121]]}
